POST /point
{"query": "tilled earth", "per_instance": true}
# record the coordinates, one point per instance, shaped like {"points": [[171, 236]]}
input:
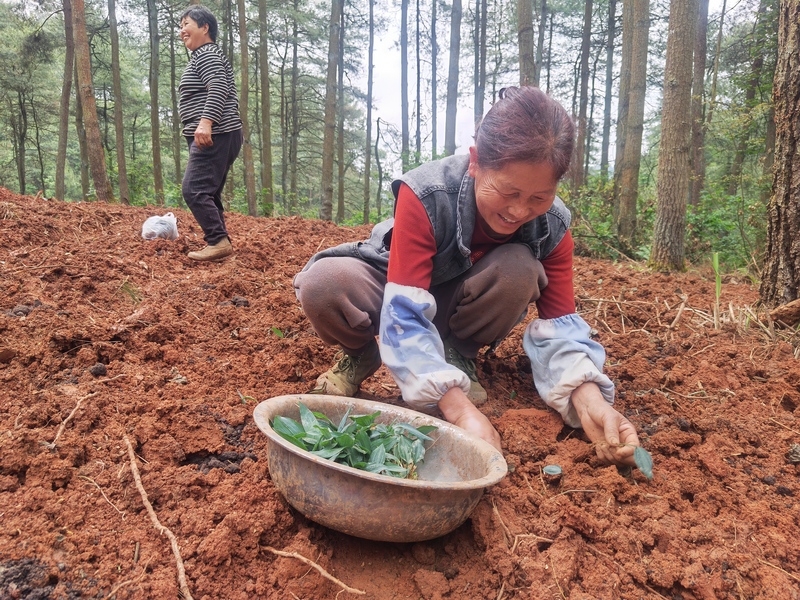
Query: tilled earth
{"points": [[107, 339]]}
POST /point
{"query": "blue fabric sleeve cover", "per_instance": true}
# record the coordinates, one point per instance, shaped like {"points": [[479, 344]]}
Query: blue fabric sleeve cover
{"points": [[412, 349], [563, 356]]}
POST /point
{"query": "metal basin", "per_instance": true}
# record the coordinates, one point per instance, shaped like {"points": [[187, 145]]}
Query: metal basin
{"points": [[457, 468]]}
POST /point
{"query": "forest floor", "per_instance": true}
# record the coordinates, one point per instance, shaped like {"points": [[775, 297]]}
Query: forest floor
{"points": [[107, 339]]}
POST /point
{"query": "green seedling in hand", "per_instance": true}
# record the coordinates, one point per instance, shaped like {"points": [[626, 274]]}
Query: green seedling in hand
{"points": [[357, 441]]}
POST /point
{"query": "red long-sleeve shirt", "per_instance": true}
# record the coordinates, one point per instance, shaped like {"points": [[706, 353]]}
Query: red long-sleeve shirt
{"points": [[414, 246]]}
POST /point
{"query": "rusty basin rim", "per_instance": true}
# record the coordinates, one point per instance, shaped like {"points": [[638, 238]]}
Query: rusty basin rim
{"points": [[497, 468]]}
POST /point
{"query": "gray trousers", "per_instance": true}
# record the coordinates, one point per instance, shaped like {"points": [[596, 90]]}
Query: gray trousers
{"points": [[342, 298], [204, 180]]}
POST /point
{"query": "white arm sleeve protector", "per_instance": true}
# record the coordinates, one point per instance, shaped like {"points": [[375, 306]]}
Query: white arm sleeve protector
{"points": [[563, 356], [412, 349]]}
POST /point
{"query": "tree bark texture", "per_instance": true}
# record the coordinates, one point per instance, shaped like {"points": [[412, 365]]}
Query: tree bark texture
{"points": [[624, 88], [627, 175], [81, 130], [611, 25], [155, 126], [119, 127], [540, 41], [578, 180], [244, 110], [326, 207], [780, 282], [404, 135], [698, 157], [368, 147], [527, 62], [268, 198], [340, 117], [177, 130], [673, 157], [452, 80], [94, 143], [66, 93]]}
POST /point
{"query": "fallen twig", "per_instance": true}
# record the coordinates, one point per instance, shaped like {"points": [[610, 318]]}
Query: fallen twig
{"points": [[774, 420], [322, 571], [555, 578], [538, 538], [684, 300], [52, 445], [184, 587], [94, 483], [769, 564], [506, 531], [122, 584], [621, 568]]}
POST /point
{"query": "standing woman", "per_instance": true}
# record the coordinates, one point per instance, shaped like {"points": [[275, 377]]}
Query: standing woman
{"points": [[209, 110], [473, 242]]}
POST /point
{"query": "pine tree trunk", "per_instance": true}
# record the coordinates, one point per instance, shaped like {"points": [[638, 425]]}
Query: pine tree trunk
{"points": [[578, 180], [340, 125], [119, 128], [418, 59], [527, 62], [378, 166], [712, 100], [698, 157], [368, 147], [673, 157], [94, 143], [84, 151], [293, 117], [404, 135], [155, 129], [627, 182], [326, 207], [780, 281], [66, 92], [626, 57], [177, 130], [540, 41], [452, 80], [268, 199], [434, 82], [609, 82], [244, 110]]}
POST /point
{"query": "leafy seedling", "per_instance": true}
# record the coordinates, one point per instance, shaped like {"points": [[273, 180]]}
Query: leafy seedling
{"points": [[358, 441], [644, 461]]}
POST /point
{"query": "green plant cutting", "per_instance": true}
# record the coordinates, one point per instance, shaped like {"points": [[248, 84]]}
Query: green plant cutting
{"points": [[393, 449]]}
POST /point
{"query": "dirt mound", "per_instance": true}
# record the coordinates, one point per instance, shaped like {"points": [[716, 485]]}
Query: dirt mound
{"points": [[106, 337]]}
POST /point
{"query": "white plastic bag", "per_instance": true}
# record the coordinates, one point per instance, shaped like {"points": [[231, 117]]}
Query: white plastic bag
{"points": [[165, 227]]}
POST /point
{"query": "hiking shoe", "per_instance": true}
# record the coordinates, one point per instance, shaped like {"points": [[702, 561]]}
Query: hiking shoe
{"points": [[345, 377], [218, 251], [477, 394]]}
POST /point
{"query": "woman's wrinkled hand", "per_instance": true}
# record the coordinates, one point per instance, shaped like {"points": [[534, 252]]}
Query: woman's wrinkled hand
{"points": [[613, 435], [202, 135], [458, 410]]}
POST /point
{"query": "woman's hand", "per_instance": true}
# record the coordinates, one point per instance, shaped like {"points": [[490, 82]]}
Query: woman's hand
{"points": [[202, 135], [458, 410], [607, 428]]}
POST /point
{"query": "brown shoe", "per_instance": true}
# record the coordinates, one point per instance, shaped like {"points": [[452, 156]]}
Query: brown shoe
{"points": [[218, 251], [345, 377]]}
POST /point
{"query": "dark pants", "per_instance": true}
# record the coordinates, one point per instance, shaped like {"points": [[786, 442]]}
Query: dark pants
{"points": [[204, 180], [342, 298]]}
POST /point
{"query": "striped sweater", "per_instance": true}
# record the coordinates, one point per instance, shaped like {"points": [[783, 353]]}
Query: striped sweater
{"points": [[207, 89]]}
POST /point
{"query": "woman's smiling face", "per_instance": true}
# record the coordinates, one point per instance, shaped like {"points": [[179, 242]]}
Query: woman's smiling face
{"points": [[192, 35], [509, 197]]}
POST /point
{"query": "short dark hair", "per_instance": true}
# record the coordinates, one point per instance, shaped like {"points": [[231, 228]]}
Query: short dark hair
{"points": [[202, 16], [525, 125]]}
